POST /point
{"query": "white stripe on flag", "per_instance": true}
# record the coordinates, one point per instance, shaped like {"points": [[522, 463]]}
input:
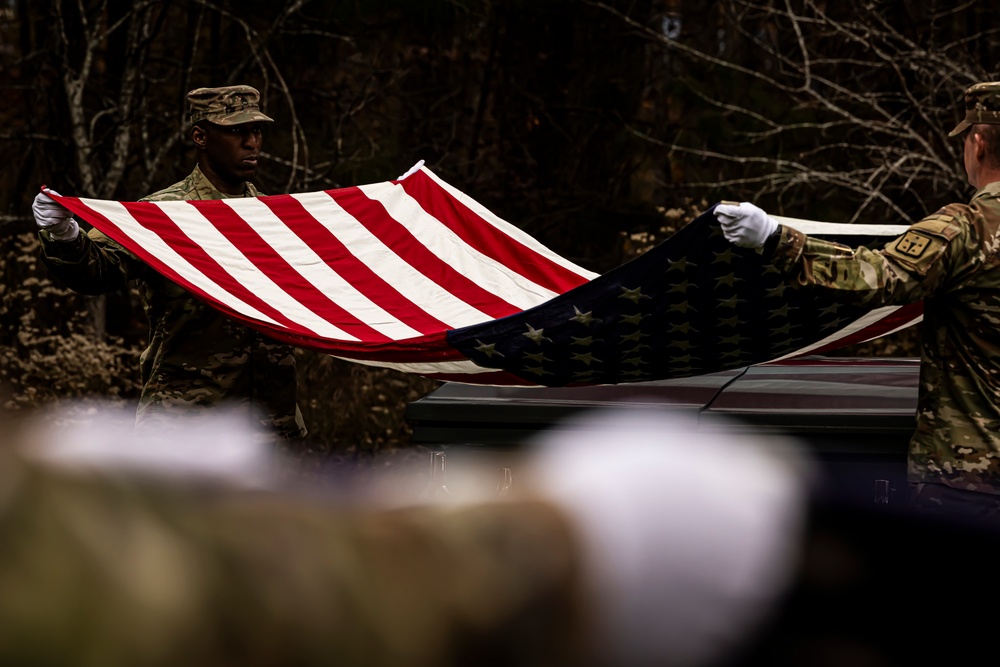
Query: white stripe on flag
{"points": [[514, 232], [424, 293], [817, 228], [435, 236], [231, 260], [315, 271], [863, 322], [906, 325], [152, 243], [428, 368]]}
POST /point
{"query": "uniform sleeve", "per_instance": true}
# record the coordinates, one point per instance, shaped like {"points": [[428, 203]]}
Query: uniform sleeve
{"points": [[107, 571], [91, 263], [929, 258]]}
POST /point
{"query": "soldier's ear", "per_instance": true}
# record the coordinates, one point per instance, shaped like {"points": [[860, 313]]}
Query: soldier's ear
{"points": [[199, 136], [979, 143]]}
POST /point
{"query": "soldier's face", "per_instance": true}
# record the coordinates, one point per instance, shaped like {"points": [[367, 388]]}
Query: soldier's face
{"points": [[232, 151]]}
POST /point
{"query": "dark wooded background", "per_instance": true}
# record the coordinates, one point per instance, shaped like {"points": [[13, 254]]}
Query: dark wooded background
{"points": [[598, 127]]}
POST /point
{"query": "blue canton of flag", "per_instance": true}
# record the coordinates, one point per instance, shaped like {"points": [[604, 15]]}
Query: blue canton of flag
{"points": [[694, 304]]}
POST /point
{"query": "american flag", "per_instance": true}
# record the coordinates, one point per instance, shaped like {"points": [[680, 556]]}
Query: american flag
{"points": [[415, 275]]}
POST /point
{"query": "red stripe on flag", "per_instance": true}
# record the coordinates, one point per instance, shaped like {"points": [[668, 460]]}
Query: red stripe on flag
{"points": [[424, 349], [336, 255], [117, 234], [242, 235], [486, 238], [394, 234], [902, 316], [500, 378], [152, 218]]}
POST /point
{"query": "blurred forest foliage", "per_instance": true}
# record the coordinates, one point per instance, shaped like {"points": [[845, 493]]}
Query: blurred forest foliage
{"points": [[598, 127]]}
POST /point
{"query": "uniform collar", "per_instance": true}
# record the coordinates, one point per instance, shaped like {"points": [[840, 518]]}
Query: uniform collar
{"points": [[201, 182], [990, 189]]}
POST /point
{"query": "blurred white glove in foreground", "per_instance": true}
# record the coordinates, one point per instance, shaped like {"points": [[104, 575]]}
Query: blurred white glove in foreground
{"points": [[689, 538], [744, 224], [218, 446], [54, 217]]}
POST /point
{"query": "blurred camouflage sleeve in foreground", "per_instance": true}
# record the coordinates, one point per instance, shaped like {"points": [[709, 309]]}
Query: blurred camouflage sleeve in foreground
{"points": [[117, 570], [623, 545]]}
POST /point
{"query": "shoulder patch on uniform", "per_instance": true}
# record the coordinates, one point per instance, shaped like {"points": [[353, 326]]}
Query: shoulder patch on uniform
{"points": [[924, 242], [944, 226], [913, 244]]}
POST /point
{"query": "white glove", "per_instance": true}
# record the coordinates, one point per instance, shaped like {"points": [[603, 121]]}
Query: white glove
{"points": [[412, 170], [745, 224], [104, 439], [54, 217], [688, 536]]}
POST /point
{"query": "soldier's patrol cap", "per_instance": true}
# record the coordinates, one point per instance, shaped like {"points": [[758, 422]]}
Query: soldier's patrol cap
{"points": [[982, 105], [228, 105]]}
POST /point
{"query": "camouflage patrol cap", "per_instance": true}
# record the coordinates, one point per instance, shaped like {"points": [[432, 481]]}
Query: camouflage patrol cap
{"points": [[982, 105], [229, 105]]}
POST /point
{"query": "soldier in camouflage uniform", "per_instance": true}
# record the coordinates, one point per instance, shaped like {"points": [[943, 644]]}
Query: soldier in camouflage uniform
{"points": [[118, 552], [950, 261], [196, 356]]}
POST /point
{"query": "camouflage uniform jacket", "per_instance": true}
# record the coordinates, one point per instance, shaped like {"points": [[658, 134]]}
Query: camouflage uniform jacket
{"points": [[113, 570], [949, 260], [196, 355]]}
